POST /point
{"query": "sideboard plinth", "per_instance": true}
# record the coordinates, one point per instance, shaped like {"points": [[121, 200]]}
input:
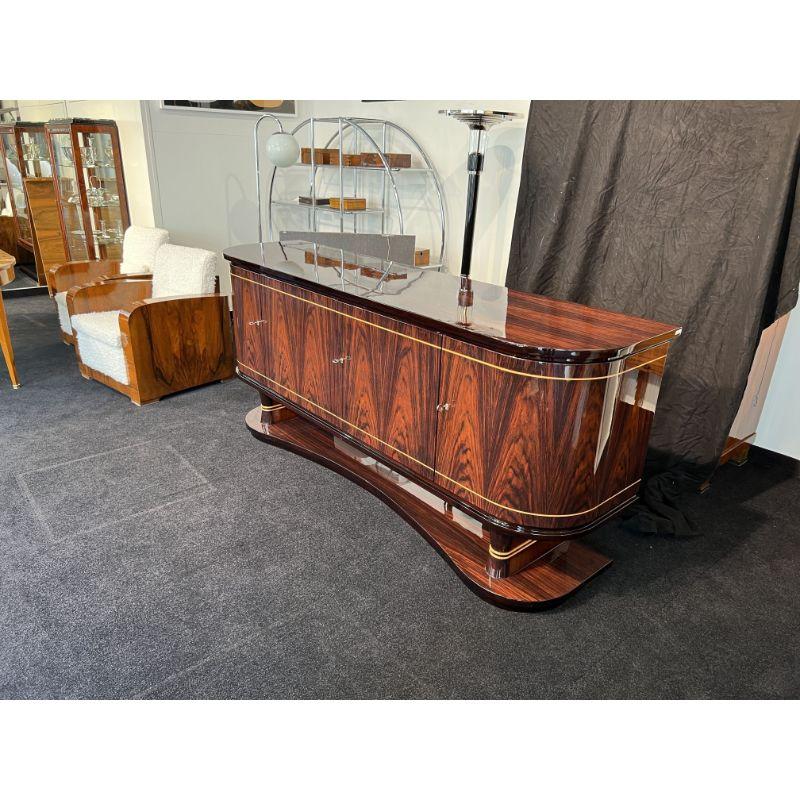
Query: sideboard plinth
{"points": [[542, 574]]}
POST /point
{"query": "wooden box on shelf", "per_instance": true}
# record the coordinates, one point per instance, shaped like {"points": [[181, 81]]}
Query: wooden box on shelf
{"points": [[394, 160], [349, 203], [322, 155], [305, 200], [329, 156], [422, 257]]}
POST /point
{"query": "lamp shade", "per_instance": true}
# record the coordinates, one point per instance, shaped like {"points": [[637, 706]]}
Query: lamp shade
{"points": [[282, 149]]}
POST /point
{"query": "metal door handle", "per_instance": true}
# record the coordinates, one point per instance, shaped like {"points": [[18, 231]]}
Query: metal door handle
{"points": [[340, 360], [443, 407], [258, 322]]}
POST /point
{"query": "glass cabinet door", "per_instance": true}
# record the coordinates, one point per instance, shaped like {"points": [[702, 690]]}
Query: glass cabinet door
{"points": [[35, 155], [16, 189], [67, 184], [99, 163]]}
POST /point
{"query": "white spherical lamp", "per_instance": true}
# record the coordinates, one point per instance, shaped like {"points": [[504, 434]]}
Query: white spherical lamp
{"points": [[282, 149]]}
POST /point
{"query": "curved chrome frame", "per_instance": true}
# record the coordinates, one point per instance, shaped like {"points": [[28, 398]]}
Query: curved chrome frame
{"points": [[356, 124], [264, 116]]}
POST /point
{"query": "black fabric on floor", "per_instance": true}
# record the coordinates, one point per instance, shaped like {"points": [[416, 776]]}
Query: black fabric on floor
{"points": [[163, 552]]}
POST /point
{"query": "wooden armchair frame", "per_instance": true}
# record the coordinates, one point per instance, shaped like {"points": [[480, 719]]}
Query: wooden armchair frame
{"points": [[64, 277], [73, 274], [170, 343]]}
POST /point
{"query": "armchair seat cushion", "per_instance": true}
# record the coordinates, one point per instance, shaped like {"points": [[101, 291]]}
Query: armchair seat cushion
{"points": [[63, 313], [101, 325], [100, 343]]}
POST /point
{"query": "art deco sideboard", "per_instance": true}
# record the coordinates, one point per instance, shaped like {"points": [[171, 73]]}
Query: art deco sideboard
{"points": [[501, 425]]}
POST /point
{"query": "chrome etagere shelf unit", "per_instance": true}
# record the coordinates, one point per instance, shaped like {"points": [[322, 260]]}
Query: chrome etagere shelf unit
{"points": [[393, 204]]}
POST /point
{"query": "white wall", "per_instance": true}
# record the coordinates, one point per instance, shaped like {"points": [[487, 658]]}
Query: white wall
{"points": [[127, 114], [203, 167]]}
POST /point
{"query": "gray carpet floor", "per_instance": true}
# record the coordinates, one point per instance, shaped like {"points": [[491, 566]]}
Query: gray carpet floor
{"points": [[162, 552]]}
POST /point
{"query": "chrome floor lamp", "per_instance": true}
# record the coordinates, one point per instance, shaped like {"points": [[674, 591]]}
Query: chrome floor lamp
{"points": [[479, 122]]}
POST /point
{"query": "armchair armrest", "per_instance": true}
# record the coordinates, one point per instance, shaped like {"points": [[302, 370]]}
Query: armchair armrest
{"points": [[108, 295], [63, 277], [174, 343]]}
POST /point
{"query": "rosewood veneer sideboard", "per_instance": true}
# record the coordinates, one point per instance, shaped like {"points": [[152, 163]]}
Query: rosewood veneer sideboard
{"points": [[501, 425]]}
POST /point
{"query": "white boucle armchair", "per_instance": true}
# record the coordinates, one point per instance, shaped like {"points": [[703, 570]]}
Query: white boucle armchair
{"points": [[152, 335], [139, 248]]}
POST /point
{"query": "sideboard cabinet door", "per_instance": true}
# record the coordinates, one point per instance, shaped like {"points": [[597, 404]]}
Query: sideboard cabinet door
{"points": [[251, 306], [303, 339], [391, 377], [547, 446], [522, 441]]}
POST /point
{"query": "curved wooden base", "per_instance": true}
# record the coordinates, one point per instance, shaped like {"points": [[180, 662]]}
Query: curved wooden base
{"points": [[460, 540]]}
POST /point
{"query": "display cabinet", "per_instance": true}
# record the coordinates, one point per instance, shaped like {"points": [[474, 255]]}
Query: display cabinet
{"points": [[90, 186], [23, 147]]}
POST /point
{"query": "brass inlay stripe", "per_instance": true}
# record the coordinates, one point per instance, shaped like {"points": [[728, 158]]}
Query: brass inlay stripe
{"points": [[427, 466], [504, 555], [553, 377], [455, 352], [271, 408]]}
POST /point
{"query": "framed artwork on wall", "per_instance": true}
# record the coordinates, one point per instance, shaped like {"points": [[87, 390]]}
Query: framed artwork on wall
{"points": [[285, 108]]}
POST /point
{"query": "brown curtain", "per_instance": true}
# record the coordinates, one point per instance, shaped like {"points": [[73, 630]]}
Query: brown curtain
{"points": [[684, 212]]}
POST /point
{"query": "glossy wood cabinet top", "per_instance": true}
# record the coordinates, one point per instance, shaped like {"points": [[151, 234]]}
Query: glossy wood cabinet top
{"points": [[506, 320]]}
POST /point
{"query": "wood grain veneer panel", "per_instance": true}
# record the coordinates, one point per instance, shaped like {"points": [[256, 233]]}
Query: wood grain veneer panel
{"points": [[173, 344], [44, 210], [251, 304], [556, 449], [391, 381], [301, 340]]}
